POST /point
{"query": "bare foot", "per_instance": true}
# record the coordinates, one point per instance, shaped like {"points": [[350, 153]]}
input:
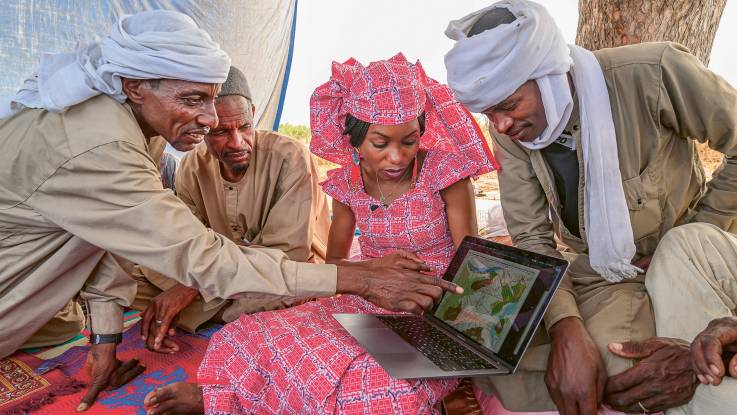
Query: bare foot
{"points": [[176, 398]]}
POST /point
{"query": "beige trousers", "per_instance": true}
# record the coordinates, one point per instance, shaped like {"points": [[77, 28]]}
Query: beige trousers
{"points": [[65, 325], [693, 280], [611, 313], [151, 284]]}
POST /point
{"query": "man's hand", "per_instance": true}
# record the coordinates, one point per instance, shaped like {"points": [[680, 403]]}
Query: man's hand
{"points": [[576, 374], [663, 379], [644, 262], [707, 349], [160, 316], [393, 288], [106, 370], [400, 259]]}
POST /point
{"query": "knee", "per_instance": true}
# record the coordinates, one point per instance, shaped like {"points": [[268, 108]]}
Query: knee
{"points": [[676, 250], [681, 241], [714, 399], [690, 233]]}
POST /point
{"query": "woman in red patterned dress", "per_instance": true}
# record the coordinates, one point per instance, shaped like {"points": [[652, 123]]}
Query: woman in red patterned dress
{"points": [[407, 150]]}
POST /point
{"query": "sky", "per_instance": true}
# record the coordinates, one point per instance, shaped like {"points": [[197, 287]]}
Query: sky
{"points": [[330, 30]]}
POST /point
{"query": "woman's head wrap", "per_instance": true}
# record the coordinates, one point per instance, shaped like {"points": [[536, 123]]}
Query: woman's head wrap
{"points": [[389, 92], [157, 44]]}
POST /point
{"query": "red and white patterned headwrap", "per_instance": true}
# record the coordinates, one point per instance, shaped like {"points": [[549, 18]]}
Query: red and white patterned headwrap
{"points": [[390, 92]]}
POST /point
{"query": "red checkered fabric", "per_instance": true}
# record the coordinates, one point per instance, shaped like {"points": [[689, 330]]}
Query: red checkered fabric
{"points": [[415, 221], [391, 92], [300, 360]]}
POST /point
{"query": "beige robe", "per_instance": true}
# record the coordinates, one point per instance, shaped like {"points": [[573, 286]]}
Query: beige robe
{"points": [[81, 201], [692, 281], [662, 99], [277, 204], [69, 321]]}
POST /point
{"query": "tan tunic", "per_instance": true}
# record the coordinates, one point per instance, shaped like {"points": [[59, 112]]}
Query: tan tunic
{"points": [[277, 204], [662, 99], [156, 147], [78, 194]]}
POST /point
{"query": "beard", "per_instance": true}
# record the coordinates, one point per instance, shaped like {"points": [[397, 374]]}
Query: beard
{"points": [[239, 168]]}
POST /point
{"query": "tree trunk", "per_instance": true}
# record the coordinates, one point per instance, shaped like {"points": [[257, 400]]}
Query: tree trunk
{"points": [[609, 23]]}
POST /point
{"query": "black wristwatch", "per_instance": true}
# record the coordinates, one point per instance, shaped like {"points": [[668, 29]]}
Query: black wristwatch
{"points": [[116, 338]]}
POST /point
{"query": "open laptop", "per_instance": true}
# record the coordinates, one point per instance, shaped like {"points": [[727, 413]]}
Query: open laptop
{"points": [[484, 331]]}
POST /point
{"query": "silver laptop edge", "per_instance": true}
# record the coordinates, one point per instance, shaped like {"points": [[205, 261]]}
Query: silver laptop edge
{"points": [[404, 361], [400, 359]]}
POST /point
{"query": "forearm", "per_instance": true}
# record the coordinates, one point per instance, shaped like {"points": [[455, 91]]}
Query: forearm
{"points": [[563, 305], [719, 204], [157, 231], [351, 278], [524, 203], [106, 292], [694, 103]]}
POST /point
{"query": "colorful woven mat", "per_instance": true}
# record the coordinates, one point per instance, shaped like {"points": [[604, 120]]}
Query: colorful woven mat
{"points": [[161, 369], [44, 353], [22, 390]]}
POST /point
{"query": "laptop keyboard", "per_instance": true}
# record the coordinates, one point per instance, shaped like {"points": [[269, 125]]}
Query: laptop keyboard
{"points": [[435, 344]]}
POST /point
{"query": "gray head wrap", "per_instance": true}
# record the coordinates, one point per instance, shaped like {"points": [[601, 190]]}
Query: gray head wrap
{"points": [[236, 84]]}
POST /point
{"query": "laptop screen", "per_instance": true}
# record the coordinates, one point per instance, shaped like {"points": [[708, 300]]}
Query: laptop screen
{"points": [[506, 291]]}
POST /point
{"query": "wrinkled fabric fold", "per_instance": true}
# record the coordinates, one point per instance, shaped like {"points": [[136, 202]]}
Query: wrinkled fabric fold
{"points": [[156, 44]]}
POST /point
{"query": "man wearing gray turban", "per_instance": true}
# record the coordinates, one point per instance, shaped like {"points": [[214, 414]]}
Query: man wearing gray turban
{"points": [[598, 149], [81, 200]]}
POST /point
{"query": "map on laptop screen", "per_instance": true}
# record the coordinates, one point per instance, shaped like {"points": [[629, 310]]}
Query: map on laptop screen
{"points": [[494, 292]]}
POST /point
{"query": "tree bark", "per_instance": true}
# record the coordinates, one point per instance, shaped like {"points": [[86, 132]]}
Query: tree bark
{"points": [[609, 23]]}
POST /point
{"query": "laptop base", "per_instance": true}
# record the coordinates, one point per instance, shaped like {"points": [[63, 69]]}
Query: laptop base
{"points": [[400, 359]]}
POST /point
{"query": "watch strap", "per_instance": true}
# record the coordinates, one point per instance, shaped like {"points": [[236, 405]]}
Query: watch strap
{"points": [[116, 338]]}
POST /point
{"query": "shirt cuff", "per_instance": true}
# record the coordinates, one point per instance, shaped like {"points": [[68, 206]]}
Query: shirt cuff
{"points": [[561, 306], [105, 317], [316, 280]]}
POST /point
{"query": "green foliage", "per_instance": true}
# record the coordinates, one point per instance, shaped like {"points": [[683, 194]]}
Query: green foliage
{"points": [[298, 132], [497, 307]]}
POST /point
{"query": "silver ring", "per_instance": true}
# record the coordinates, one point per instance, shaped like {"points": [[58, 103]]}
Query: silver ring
{"points": [[644, 410], [159, 322]]}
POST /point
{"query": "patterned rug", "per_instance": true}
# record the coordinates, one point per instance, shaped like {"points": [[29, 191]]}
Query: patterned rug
{"points": [[22, 390], [161, 369]]}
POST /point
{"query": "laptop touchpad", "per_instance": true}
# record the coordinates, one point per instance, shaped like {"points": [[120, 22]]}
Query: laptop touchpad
{"points": [[382, 341]]}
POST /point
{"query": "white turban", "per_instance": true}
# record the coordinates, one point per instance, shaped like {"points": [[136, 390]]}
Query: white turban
{"points": [[485, 69], [148, 45]]}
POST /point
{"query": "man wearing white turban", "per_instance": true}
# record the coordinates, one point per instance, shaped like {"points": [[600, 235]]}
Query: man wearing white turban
{"points": [[598, 149], [81, 200]]}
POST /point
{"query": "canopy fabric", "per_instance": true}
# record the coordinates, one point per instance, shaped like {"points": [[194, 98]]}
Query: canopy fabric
{"points": [[257, 34]]}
